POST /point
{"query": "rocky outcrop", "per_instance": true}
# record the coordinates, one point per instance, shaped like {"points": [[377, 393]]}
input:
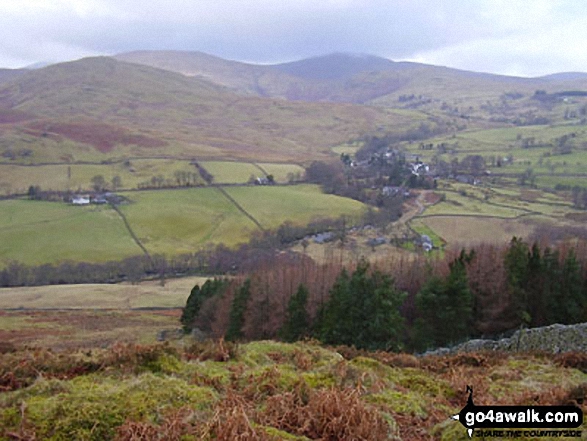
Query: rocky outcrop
{"points": [[553, 339]]}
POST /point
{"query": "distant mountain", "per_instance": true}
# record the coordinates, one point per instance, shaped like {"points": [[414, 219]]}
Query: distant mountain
{"points": [[342, 78], [115, 106], [8, 74], [565, 76], [338, 66], [330, 78], [39, 65], [235, 75]]}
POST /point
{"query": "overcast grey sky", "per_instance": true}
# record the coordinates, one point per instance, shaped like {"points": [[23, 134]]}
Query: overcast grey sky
{"points": [[514, 37]]}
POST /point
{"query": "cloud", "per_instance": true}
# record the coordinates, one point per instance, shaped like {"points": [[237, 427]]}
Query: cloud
{"points": [[524, 41], [535, 36]]}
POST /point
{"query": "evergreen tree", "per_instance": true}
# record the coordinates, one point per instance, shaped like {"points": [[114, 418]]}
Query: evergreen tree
{"points": [[535, 287], [516, 266], [384, 323], [363, 311], [570, 299], [297, 320], [552, 274], [195, 300], [445, 308], [237, 312], [331, 329]]}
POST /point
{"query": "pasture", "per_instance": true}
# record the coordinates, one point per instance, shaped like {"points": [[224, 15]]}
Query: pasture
{"points": [[299, 204], [282, 172], [60, 330], [525, 147], [227, 172], [457, 204], [147, 294], [474, 214], [135, 173], [78, 177], [467, 230], [177, 221], [37, 232], [165, 221], [180, 221]]}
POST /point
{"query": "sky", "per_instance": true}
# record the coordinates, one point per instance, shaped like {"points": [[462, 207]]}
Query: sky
{"points": [[511, 37]]}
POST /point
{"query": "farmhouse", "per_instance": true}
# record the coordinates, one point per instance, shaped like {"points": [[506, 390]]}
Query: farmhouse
{"points": [[100, 199], [426, 243], [80, 200]]}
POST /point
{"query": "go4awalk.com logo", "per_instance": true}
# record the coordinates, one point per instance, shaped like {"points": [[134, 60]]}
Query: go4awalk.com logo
{"points": [[520, 421]]}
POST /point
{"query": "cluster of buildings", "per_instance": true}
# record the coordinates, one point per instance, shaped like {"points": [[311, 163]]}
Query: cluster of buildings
{"points": [[95, 198]]}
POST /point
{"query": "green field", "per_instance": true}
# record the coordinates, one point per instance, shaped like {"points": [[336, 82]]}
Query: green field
{"points": [[282, 172], [172, 222], [135, 173], [35, 232], [272, 206], [226, 172], [456, 204], [165, 221], [548, 165], [78, 177], [180, 221]]}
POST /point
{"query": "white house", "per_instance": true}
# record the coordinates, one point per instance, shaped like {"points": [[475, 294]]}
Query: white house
{"points": [[80, 200]]}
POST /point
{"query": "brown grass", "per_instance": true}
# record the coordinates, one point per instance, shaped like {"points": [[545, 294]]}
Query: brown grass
{"points": [[325, 414], [103, 137], [467, 230]]}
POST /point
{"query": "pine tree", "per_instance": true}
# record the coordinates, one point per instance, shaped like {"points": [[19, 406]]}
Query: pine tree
{"points": [[445, 308], [384, 323], [191, 309], [552, 275], [516, 265], [570, 299], [535, 287], [297, 320], [331, 329], [363, 311], [237, 312], [195, 300]]}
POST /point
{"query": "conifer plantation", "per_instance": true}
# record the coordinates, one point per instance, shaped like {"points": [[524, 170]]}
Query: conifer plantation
{"points": [[411, 305]]}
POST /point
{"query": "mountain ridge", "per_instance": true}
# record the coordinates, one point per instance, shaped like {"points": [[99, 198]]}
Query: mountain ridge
{"points": [[343, 77], [108, 104]]}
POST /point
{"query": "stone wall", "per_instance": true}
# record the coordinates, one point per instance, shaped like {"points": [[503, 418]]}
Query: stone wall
{"points": [[553, 339]]}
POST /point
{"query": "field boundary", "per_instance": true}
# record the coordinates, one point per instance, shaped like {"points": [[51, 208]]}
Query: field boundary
{"points": [[131, 232], [490, 216], [260, 168], [239, 207]]}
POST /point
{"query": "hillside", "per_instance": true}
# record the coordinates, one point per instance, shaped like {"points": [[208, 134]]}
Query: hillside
{"points": [[339, 77], [470, 99], [328, 78], [8, 74], [266, 390], [117, 108], [338, 66]]}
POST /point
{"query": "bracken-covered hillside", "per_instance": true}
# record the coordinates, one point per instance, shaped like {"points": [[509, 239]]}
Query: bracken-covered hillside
{"points": [[266, 391]]}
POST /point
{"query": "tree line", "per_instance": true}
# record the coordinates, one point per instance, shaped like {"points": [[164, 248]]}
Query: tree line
{"points": [[220, 259], [412, 305]]}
